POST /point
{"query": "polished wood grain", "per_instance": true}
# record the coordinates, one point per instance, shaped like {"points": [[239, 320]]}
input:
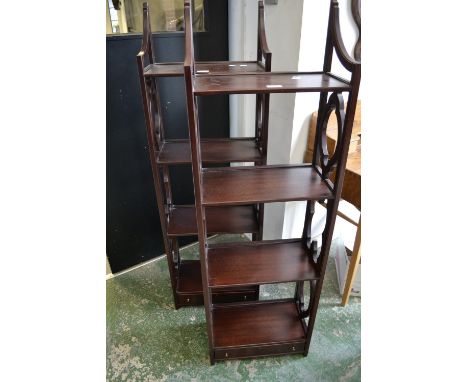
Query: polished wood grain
{"points": [[176, 69], [259, 262], [230, 219], [190, 289], [258, 83], [189, 277], [253, 324], [177, 151], [249, 184]]}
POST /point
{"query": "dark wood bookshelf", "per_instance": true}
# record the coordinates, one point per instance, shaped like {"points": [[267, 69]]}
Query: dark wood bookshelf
{"points": [[178, 221], [276, 327]]}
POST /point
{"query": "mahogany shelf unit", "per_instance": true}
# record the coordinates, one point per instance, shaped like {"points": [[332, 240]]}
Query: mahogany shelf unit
{"points": [[273, 327], [180, 220]]}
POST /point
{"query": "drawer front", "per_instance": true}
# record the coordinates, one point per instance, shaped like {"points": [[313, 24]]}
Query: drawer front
{"points": [[259, 351], [195, 299], [235, 296], [190, 299]]}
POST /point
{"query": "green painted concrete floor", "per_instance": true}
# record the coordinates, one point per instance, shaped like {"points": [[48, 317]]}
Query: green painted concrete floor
{"points": [[148, 340]]}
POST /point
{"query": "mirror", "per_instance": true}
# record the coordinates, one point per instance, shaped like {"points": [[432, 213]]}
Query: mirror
{"points": [[126, 16]]}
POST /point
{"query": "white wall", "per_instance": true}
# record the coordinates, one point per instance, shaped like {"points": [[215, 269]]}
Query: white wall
{"points": [[283, 29], [242, 47]]}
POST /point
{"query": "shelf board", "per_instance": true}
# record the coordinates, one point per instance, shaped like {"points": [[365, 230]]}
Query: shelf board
{"points": [[256, 323], [257, 184], [259, 262], [268, 82], [231, 219], [189, 282], [164, 69], [223, 150], [176, 69]]}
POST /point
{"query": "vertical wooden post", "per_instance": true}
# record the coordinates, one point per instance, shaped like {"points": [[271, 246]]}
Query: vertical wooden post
{"points": [[194, 133], [151, 107], [353, 265], [334, 40]]}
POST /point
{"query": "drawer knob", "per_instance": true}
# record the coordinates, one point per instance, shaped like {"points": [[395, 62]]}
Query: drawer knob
{"points": [[245, 297], [226, 355], [188, 300], [294, 348]]}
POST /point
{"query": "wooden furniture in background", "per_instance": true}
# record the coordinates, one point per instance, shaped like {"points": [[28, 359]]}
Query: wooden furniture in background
{"points": [[273, 327], [352, 183], [180, 220], [356, 12], [351, 193]]}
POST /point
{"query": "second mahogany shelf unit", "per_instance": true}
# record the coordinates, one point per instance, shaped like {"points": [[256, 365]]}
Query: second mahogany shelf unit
{"points": [[180, 220], [281, 326], [176, 69]]}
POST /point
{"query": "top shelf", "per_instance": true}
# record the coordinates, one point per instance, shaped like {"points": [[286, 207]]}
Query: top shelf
{"points": [[268, 82], [176, 69]]}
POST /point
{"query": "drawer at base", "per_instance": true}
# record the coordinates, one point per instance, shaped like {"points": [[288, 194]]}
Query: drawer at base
{"points": [[259, 350]]}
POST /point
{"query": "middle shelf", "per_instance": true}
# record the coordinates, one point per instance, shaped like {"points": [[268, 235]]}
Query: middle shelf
{"points": [[231, 219], [259, 262], [215, 150], [262, 184], [189, 287]]}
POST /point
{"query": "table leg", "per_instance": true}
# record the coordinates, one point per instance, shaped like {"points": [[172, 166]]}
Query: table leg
{"points": [[355, 258]]}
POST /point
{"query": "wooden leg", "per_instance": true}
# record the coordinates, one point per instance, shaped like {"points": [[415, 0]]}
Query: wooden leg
{"points": [[355, 258]]}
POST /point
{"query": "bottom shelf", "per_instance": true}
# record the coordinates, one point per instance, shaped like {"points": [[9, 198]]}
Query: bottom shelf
{"points": [[257, 329], [189, 290]]}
